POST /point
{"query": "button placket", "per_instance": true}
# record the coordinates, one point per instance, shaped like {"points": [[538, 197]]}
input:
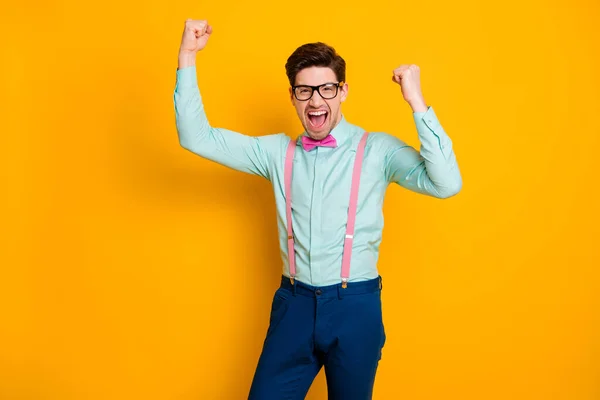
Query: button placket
{"points": [[315, 218]]}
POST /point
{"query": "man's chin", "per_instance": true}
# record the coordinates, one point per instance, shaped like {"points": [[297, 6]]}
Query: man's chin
{"points": [[317, 135]]}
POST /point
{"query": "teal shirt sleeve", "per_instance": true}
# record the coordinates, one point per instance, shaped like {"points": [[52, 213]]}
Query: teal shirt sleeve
{"points": [[433, 170], [250, 154]]}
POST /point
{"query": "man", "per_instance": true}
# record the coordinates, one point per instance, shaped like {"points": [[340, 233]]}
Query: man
{"points": [[327, 310]]}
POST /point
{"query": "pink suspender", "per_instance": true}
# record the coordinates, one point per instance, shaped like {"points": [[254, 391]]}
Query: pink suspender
{"points": [[352, 210], [289, 162]]}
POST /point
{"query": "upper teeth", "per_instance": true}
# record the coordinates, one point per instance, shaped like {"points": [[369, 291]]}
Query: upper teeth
{"points": [[317, 112]]}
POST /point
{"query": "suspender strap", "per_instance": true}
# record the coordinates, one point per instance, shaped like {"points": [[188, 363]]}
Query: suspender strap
{"points": [[348, 239], [352, 210], [289, 163]]}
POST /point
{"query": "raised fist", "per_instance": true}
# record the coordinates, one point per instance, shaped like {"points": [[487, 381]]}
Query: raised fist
{"points": [[408, 76], [195, 35]]}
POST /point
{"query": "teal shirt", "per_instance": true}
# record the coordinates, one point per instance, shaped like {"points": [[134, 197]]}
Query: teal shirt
{"points": [[321, 180]]}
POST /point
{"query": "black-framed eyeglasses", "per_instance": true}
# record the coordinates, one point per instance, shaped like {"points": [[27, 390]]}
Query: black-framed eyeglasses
{"points": [[327, 91]]}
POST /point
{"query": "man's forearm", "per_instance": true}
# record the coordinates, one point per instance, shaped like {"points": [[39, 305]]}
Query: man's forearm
{"points": [[418, 105], [186, 59]]}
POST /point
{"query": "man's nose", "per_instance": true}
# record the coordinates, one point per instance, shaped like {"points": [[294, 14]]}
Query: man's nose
{"points": [[316, 100]]}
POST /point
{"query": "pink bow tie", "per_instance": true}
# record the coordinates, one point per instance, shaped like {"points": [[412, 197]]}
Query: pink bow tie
{"points": [[309, 143]]}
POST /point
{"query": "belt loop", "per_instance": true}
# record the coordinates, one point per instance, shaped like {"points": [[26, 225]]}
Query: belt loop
{"points": [[380, 283], [340, 291], [294, 288]]}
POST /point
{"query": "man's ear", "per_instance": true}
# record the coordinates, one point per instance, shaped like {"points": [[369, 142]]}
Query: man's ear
{"points": [[344, 90], [291, 96]]}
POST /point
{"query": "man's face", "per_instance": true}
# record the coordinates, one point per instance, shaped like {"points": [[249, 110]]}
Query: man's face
{"points": [[318, 115]]}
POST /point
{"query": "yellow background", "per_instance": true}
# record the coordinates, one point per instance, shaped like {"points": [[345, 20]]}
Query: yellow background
{"points": [[132, 269]]}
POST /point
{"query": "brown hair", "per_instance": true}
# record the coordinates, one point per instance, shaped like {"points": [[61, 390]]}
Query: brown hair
{"points": [[315, 55]]}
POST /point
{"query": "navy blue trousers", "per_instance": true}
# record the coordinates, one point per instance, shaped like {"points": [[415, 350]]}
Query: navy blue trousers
{"points": [[313, 327]]}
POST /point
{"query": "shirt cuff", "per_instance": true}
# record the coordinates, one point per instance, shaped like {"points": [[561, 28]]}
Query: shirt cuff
{"points": [[430, 130], [429, 118], [186, 78]]}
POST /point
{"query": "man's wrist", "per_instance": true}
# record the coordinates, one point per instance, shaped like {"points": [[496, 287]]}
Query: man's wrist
{"points": [[419, 105], [186, 59]]}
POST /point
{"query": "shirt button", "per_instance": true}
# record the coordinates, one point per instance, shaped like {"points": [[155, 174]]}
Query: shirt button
{"points": [[318, 292]]}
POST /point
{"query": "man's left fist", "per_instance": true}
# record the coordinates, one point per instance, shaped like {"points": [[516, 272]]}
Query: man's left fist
{"points": [[409, 79]]}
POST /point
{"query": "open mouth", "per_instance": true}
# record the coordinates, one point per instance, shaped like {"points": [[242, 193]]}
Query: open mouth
{"points": [[317, 119]]}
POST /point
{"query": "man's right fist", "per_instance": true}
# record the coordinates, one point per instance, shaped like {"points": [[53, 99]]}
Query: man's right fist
{"points": [[195, 35]]}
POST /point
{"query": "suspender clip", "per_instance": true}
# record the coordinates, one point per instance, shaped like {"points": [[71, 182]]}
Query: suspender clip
{"points": [[292, 280], [344, 283]]}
